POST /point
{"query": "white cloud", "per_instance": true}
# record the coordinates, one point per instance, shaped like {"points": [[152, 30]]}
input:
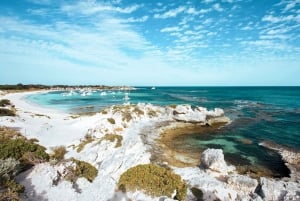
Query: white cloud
{"points": [[218, 7], [290, 6], [170, 13], [170, 29]]}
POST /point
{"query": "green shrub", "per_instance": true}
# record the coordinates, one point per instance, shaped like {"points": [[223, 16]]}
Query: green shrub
{"points": [[7, 112], [4, 102], [16, 148], [111, 120], [112, 138], [154, 180], [58, 153], [84, 169]]}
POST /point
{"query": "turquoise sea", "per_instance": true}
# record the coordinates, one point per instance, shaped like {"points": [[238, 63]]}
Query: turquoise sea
{"points": [[257, 114]]}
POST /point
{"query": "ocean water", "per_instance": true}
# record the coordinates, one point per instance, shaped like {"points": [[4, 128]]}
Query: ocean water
{"points": [[257, 114]]}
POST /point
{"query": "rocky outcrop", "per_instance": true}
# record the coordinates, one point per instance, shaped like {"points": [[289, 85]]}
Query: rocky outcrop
{"points": [[213, 159], [272, 190], [186, 113], [242, 183], [290, 156]]}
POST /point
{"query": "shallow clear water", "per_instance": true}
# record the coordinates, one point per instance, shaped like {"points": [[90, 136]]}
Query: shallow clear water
{"points": [[258, 113]]}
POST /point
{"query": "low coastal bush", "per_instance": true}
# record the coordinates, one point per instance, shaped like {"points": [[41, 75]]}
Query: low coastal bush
{"points": [[17, 153], [111, 120], [4, 102], [14, 145], [154, 180], [81, 169], [7, 112], [113, 138], [16, 148], [58, 153]]}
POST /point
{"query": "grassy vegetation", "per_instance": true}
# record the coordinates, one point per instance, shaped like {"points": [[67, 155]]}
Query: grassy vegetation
{"points": [[111, 120], [113, 138], [154, 180], [58, 153], [87, 139]]}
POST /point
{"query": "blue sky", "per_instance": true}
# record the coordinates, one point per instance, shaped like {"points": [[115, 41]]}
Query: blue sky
{"points": [[125, 42]]}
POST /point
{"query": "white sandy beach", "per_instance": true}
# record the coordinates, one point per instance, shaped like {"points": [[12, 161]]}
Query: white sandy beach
{"points": [[54, 128]]}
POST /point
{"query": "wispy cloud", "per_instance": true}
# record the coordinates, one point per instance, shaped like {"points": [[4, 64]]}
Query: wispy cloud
{"points": [[277, 19], [93, 7], [170, 13]]}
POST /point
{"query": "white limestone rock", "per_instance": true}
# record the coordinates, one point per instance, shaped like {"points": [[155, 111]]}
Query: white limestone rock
{"points": [[279, 190], [242, 183], [187, 114], [213, 159]]}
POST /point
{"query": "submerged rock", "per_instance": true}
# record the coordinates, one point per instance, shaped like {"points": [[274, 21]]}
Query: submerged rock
{"points": [[213, 159]]}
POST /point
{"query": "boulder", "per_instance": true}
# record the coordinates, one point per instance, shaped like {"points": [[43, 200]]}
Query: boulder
{"points": [[213, 159]]}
